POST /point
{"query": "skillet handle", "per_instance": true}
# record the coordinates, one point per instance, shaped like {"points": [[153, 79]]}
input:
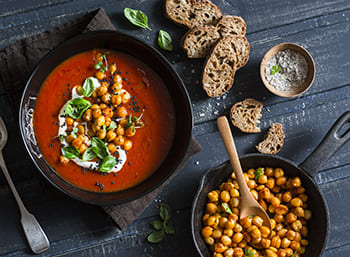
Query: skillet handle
{"points": [[330, 144]]}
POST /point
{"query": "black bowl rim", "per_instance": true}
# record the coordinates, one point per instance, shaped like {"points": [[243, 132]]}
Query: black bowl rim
{"points": [[223, 164], [171, 70]]}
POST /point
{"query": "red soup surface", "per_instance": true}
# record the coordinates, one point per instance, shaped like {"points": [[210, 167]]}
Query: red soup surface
{"points": [[148, 123]]}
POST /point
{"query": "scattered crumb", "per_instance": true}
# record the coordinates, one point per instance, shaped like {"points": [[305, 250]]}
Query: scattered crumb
{"points": [[201, 114], [197, 162]]}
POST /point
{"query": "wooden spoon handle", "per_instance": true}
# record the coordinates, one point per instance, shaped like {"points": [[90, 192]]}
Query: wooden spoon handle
{"points": [[226, 134]]}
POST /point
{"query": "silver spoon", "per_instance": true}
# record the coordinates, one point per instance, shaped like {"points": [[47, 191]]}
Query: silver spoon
{"points": [[36, 237]]}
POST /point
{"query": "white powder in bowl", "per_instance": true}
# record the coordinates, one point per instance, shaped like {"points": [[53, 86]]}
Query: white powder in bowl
{"points": [[287, 70]]}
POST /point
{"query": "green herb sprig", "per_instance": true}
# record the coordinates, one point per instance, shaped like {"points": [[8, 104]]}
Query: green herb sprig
{"points": [[275, 69], [258, 172], [248, 253], [99, 65], [137, 17], [226, 208], [161, 227], [164, 40]]}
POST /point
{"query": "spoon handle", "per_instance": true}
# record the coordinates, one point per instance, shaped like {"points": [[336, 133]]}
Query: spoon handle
{"points": [[226, 134], [35, 235]]}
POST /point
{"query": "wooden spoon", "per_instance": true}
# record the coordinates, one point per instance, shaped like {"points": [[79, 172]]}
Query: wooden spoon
{"points": [[249, 206]]}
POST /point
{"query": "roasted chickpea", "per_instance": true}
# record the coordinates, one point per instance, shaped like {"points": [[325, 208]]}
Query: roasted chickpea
{"points": [[119, 140], [213, 196], [116, 100], [111, 135], [296, 202], [226, 240], [77, 142], [106, 98], [69, 138], [296, 182], [96, 113], [112, 68], [87, 115], [64, 160], [219, 247], [125, 98], [211, 208], [101, 134], [107, 112], [238, 252], [209, 240], [278, 172], [103, 89], [121, 112], [307, 214], [225, 196], [117, 79], [83, 148], [69, 121], [100, 121], [130, 131], [100, 75]]}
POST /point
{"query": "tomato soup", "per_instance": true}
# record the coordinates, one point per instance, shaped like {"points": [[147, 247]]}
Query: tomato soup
{"points": [[103, 120]]}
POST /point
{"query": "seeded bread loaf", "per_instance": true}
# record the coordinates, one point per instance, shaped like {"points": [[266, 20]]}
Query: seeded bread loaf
{"points": [[245, 115], [273, 140], [219, 68], [192, 13], [231, 25], [198, 41]]}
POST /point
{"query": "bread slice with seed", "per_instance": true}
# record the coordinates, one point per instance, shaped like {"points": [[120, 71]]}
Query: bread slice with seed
{"points": [[273, 140], [220, 68], [231, 25], [198, 41], [204, 13], [192, 13], [245, 115], [241, 47]]}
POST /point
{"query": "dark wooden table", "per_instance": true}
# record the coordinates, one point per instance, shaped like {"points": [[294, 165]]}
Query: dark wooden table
{"points": [[79, 229]]}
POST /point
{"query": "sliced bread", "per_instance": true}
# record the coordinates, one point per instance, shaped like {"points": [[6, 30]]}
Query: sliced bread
{"points": [[220, 68], [198, 41], [192, 13], [231, 25], [241, 47], [273, 140], [204, 13], [245, 115]]}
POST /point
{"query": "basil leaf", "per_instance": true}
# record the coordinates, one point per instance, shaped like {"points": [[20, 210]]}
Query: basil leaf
{"points": [[158, 225], [136, 17], [99, 147], [156, 236], [107, 163], [164, 40], [169, 230], [113, 125], [89, 154], [88, 87], [164, 212], [226, 208], [76, 107], [70, 152]]}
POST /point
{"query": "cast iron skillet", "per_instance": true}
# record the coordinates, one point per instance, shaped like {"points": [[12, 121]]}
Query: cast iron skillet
{"points": [[111, 40], [318, 226]]}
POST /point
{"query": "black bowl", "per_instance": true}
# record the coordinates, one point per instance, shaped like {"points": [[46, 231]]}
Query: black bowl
{"points": [[119, 42]]}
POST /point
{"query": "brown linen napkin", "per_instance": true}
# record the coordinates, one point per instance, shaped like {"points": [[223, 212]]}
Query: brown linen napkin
{"points": [[18, 61]]}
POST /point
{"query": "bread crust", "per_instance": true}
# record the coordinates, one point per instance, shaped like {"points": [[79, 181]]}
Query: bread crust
{"points": [[198, 41], [192, 13], [245, 115], [220, 68], [273, 140], [196, 46]]}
